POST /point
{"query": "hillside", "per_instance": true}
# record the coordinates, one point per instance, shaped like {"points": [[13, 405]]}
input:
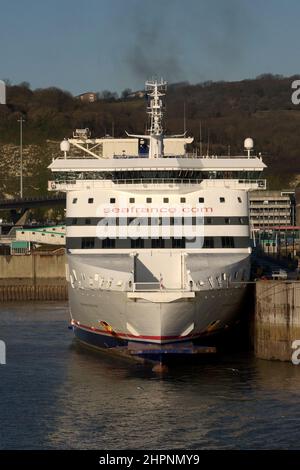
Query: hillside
{"points": [[228, 111]]}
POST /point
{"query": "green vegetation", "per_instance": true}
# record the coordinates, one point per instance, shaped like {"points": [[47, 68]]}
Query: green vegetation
{"points": [[229, 112]]}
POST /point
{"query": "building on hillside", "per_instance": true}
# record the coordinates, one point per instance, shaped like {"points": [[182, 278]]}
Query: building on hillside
{"points": [[136, 94], [271, 208], [88, 97]]}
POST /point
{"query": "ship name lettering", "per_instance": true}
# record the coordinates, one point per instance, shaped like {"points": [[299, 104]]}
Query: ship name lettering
{"points": [[151, 210]]}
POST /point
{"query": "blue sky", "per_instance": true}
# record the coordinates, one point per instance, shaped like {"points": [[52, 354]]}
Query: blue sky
{"points": [[113, 44]]}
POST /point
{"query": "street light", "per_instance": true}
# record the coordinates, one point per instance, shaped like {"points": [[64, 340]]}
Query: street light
{"points": [[21, 120]]}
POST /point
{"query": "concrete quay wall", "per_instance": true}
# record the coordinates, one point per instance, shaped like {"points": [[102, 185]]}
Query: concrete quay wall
{"points": [[277, 319], [33, 277]]}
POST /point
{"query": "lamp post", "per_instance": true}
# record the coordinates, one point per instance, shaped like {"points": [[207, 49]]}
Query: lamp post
{"points": [[21, 120]]}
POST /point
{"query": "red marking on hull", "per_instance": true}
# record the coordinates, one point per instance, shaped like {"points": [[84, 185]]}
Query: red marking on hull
{"points": [[130, 336]]}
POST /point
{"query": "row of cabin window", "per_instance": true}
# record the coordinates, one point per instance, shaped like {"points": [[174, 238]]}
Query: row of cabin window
{"points": [[161, 221], [149, 200], [172, 242], [208, 242]]}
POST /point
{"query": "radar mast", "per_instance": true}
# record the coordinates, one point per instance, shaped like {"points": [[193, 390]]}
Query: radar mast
{"points": [[156, 90]]}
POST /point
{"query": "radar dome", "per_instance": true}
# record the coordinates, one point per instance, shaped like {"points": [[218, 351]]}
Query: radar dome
{"points": [[248, 143], [65, 145]]}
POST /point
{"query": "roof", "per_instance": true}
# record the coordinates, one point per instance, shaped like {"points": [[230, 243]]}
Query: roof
{"points": [[87, 93], [214, 164], [283, 227]]}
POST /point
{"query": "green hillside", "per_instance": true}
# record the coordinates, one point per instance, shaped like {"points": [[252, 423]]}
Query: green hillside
{"points": [[228, 112]]}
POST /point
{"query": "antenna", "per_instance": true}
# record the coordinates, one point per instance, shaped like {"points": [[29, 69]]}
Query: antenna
{"points": [[184, 118], [208, 142], [21, 121], [200, 137], [156, 90]]}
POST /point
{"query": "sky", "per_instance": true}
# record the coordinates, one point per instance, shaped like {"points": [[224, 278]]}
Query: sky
{"points": [[95, 45]]}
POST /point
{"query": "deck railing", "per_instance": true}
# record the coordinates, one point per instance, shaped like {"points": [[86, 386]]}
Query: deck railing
{"points": [[155, 182]]}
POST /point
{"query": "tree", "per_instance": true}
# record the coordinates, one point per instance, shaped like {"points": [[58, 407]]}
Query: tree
{"points": [[125, 93]]}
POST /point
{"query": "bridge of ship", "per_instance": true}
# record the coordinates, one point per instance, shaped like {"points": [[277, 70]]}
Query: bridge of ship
{"points": [[72, 173]]}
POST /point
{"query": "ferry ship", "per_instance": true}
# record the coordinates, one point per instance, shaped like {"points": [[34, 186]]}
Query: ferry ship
{"points": [[158, 239]]}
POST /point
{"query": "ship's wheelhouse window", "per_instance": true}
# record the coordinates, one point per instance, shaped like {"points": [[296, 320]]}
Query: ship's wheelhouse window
{"points": [[87, 221], [239, 199], [227, 242], [208, 220], [132, 200], [87, 242], [74, 200], [182, 199], [241, 220], [149, 200], [166, 200], [227, 220], [90, 200], [74, 221], [112, 200], [222, 199], [201, 200]]}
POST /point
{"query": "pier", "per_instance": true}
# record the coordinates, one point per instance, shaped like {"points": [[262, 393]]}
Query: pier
{"points": [[39, 276], [277, 319]]}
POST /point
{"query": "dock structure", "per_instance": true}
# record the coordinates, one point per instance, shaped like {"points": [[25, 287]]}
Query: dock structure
{"points": [[38, 276], [277, 319]]}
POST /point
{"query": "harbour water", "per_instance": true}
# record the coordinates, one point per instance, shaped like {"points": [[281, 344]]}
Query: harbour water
{"points": [[57, 395]]}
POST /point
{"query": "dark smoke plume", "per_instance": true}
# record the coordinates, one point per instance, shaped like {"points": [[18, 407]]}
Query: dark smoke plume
{"points": [[214, 30]]}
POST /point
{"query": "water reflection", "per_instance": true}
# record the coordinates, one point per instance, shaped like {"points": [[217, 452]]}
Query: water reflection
{"points": [[55, 394]]}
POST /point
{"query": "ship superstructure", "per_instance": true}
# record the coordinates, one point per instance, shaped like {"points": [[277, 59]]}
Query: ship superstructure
{"points": [[158, 239]]}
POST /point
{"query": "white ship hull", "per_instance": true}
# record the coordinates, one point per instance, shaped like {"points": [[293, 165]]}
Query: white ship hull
{"points": [[109, 318]]}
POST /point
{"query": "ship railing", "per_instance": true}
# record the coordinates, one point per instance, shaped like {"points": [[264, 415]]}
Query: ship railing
{"points": [[191, 156], [237, 183], [187, 155], [223, 157], [154, 182], [57, 184], [78, 157], [152, 287]]}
